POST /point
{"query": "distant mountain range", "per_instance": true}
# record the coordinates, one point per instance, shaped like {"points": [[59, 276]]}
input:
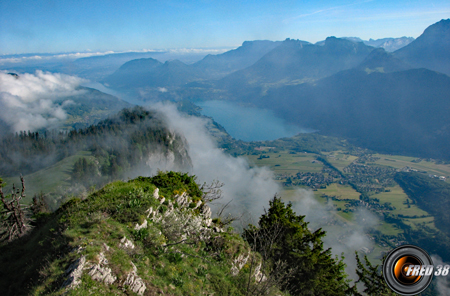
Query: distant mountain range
{"points": [[389, 101], [149, 72], [388, 44], [392, 101], [299, 61]]}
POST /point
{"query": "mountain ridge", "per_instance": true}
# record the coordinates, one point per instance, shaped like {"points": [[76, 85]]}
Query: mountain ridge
{"points": [[431, 49]]}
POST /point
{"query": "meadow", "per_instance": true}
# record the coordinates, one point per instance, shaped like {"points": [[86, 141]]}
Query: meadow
{"points": [[55, 178]]}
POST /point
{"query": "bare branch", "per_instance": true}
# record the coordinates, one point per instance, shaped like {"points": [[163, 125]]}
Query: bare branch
{"points": [[212, 192], [15, 219]]}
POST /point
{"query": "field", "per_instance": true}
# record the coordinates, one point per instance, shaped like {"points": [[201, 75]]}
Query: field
{"points": [[50, 179], [388, 228], [398, 198], [340, 191], [400, 162], [413, 222], [286, 163]]}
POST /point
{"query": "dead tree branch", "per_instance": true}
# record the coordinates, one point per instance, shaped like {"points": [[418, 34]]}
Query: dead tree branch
{"points": [[15, 221], [213, 191]]}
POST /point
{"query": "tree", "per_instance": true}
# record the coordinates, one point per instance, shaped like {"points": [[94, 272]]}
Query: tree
{"points": [[264, 274], [39, 205], [315, 270], [372, 278], [14, 219]]}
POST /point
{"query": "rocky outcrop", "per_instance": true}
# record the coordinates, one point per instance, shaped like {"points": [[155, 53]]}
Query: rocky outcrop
{"points": [[135, 283], [206, 211], [98, 271], [178, 220], [101, 272], [156, 193], [74, 273], [259, 276], [143, 225], [238, 263], [126, 243]]}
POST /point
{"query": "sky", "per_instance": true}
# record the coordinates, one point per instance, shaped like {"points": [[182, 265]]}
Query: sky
{"points": [[55, 26]]}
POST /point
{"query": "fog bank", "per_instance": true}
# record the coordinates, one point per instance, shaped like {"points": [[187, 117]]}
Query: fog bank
{"points": [[27, 102]]}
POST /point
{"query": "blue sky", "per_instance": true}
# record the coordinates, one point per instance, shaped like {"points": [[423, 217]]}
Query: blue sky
{"points": [[36, 26]]}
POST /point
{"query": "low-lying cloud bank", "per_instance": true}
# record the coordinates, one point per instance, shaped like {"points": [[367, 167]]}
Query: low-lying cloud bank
{"points": [[27, 102], [442, 282], [27, 58]]}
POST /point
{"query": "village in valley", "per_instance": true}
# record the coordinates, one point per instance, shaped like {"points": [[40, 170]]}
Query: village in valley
{"points": [[346, 181]]}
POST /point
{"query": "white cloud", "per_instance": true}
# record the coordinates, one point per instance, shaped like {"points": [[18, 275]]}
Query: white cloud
{"points": [[27, 102], [341, 237], [442, 282], [76, 55]]}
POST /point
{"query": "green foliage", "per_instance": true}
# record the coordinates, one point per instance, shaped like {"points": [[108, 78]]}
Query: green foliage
{"points": [[141, 234], [176, 181], [174, 257], [372, 278], [316, 271], [134, 203], [200, 266]]}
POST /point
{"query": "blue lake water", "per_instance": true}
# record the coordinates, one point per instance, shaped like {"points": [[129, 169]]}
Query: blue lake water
{"points": [[249, 123]]}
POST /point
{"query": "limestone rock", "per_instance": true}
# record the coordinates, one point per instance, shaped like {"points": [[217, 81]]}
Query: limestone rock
{"points": [[217, 229], [150, 212], [238, 263], [75, 271], [170, 206], [156, 193], [259, 276], [135, 283], [139, 227], [198, 204], [208, 222], [101, 272], [126, 243], [183, 200], [206, 211]]}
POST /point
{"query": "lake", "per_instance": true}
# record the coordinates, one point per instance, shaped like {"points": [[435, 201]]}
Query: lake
{"points": [[249, 123]]}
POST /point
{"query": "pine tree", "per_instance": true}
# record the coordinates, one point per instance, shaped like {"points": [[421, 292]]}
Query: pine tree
{"points": [[372, 278], [316, 271]]}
